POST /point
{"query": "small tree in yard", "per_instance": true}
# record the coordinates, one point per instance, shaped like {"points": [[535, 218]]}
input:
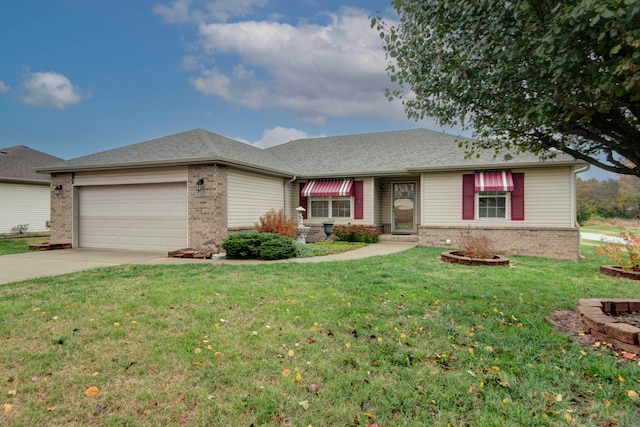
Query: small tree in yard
{"points": [[277, 222], [532, 75], [625, 256]]}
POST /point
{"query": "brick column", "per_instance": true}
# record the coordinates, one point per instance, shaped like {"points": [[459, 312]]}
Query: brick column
{"points": [[208, 218], [62, 208]]}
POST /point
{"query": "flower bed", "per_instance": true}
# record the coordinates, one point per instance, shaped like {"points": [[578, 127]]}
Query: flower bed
{"points": [[459, 257]]}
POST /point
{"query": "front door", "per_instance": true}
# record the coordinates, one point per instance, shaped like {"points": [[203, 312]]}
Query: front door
{"points": [[403, 216]]}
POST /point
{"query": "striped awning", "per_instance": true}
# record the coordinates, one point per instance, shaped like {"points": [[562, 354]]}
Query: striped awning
{"points": [[328, 187], [494, 181]]}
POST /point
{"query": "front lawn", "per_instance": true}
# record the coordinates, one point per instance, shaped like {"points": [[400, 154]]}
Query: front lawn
{"points": [[20, 244], [397, 340]]}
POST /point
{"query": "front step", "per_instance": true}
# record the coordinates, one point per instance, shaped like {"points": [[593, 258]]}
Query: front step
{"points": [[399, 238]]}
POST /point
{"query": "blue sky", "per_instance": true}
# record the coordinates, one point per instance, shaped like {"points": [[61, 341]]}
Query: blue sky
{"points": [[81, 76]]}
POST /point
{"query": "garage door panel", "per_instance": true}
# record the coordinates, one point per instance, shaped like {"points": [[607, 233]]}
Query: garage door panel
{"points": [[138, 217]]}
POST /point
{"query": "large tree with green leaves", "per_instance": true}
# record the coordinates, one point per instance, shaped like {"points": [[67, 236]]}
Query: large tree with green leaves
{"points": [[524, 75]]}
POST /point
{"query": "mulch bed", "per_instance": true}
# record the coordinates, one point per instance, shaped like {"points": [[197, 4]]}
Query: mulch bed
{"points": [[49, 246]]}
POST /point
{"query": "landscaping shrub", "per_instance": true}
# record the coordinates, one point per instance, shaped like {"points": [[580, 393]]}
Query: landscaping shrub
{"points": [[277, 222], [242, 245], [356, 233], [475, 247], [281, 248], [627, 255], [254, 245]]}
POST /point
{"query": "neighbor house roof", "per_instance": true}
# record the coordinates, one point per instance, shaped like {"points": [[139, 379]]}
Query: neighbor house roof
{"points": [[19, 164], [195, 146], [398, 152]]}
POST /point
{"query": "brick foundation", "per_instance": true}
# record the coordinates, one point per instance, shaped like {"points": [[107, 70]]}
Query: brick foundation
{"points": [[207, 207], [61, 209], [559, 243]]}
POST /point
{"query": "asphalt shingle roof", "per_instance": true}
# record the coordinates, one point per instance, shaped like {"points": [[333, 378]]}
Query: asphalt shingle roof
{"points": [[364, 154], [390, 153], [195, 146], [19, 164]]}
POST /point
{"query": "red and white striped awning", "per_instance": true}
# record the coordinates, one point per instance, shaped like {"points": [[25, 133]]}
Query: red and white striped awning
{"points": [[329, 187], [494, 181]]}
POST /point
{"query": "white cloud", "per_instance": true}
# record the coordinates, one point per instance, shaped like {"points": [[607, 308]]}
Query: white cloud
{"points": [[3, 87], [51, 90], [337, 69], [181, 12], [279, 135]]}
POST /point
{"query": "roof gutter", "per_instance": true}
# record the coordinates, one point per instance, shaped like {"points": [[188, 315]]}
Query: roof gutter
{"points": [[161, 163]]}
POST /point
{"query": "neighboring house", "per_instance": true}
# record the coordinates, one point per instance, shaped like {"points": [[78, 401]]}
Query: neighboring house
{"points": [[195, 188], [24, 194]]}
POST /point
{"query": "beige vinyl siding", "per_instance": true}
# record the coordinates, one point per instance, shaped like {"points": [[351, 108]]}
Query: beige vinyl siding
{"points": [[369, 194], [24, 204], [548, 199], [132, 176], [252, 195]]}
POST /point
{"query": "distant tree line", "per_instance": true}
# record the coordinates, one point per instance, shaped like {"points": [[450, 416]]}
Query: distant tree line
{"points": [[612, 198]]}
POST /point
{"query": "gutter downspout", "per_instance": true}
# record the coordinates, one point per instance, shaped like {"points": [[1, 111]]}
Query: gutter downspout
{"points": [[575, 218]]}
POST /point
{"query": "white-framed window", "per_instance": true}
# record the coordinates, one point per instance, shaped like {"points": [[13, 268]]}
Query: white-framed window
{"points": [[331, 207], [493, 204]]}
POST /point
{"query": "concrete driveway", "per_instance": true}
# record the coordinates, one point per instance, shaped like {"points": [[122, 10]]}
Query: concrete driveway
{"points": [[31, 265]]}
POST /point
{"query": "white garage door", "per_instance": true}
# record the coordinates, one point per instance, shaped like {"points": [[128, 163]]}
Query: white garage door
{"points": [[136, 217]]}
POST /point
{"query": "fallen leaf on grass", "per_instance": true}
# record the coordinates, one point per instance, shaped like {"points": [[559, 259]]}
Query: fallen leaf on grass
{"points": [[633, 395], [7, 407], [50, 406], [91, 391], [12, 392], [285, 372], [304, 404], [298, 377]]}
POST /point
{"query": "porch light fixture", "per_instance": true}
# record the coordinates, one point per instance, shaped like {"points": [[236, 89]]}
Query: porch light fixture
{"points": [[58, 189], [199, 184]]}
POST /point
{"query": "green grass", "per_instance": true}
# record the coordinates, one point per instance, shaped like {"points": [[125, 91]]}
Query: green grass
{"points": [[398, 340], [19, 245]]}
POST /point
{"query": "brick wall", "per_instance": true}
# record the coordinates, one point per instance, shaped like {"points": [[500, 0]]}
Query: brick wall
{"points": [[208, 207], [560, 243], [62, 209]]}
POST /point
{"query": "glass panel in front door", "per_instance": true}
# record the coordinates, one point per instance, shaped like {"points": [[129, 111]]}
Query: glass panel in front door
{"points": [[403, 216]]}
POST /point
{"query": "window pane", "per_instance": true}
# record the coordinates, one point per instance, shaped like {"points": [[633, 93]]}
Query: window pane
{"points": [[341, 208], [320, 208], [492, 204]]}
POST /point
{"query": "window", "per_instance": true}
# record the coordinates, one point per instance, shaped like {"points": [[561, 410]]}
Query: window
{"points": [[493, 195], [337, 198], [492, 204], [320, 208], [338, 207]]}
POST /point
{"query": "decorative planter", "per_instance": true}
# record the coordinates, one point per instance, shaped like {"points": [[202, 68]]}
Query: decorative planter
{"points": [[617, 271], [328, 229], [458, 257]]}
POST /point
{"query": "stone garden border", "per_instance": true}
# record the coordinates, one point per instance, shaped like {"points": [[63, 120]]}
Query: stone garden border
{"points": [[458, 257], [593, 313]]}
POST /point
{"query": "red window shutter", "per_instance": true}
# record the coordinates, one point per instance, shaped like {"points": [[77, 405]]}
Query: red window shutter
{"points": [[358, 193], [517, 197], [468, 195], [303, 201]]}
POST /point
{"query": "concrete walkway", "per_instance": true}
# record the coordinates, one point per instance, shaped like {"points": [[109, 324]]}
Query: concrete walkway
{"points": [[31, 265], [601, 238]]}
